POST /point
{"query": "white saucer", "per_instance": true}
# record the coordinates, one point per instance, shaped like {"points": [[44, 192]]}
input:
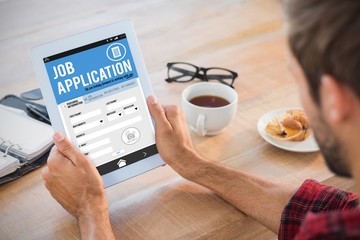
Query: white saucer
{"points": [[308, 145]]}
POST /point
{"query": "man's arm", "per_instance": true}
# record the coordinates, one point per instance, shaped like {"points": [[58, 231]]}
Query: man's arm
{"points": [[262, 199], [75, 183], [259, 198]]}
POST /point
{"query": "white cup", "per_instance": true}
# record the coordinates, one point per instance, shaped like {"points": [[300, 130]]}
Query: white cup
{"points": [[209, 120]]}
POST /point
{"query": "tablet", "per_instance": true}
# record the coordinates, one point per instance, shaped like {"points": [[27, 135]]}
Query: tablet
{"points": [[95, 87]]}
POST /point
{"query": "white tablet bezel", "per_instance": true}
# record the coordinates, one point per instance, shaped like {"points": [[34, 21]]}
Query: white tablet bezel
{"points": [[38, 53]]}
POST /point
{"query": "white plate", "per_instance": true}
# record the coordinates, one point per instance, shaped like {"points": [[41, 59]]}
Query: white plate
{"points": [[308, 145]]}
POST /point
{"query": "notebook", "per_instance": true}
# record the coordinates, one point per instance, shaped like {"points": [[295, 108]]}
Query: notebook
{"points": [[22, 139]]}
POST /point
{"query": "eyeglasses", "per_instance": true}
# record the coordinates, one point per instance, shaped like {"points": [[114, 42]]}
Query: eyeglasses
{"points": [[186, 72]]}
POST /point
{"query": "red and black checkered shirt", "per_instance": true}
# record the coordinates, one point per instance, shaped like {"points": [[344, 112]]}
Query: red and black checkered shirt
{"points": [[317, 211]]}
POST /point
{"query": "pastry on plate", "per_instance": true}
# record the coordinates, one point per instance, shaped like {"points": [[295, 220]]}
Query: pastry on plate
{"points": [[292, 126]]}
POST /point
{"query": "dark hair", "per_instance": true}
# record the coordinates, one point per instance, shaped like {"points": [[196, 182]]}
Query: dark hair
{"points": [[324, 37]]}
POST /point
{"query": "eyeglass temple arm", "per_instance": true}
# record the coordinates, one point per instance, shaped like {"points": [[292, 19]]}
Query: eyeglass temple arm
{"points": [[184, 71], [180, 70], [219, 76], [172, 79]]}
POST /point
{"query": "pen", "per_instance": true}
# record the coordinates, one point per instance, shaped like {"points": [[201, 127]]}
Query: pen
{"points": [[34, 110]]}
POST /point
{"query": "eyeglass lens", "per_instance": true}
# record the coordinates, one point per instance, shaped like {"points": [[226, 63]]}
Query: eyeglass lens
{"points": [[182, 72], [220, 75]]}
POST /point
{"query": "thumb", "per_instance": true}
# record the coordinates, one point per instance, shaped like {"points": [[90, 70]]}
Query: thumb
{"points": [[66, 148]]}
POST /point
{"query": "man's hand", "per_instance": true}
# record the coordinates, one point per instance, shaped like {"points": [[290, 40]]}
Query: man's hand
{"points": [[74, 182], [173, 139], [262, 199]]}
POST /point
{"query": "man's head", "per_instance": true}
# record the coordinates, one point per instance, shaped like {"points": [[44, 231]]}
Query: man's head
{"points": [[324, 38]]}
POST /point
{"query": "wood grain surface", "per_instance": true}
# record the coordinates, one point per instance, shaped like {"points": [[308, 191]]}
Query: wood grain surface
{"points": [[246, 36]]}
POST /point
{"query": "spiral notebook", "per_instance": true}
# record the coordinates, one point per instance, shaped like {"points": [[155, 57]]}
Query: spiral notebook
{"points": [[22, 139]]}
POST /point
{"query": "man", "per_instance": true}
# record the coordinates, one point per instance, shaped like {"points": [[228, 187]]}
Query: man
{"points": [[325, 59]]}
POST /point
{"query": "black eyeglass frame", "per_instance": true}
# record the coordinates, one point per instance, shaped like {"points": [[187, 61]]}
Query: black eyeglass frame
{"points": [[197, 74]]}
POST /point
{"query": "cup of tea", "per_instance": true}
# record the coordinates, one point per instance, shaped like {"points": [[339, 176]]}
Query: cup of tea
{"points": [[209, 107]]}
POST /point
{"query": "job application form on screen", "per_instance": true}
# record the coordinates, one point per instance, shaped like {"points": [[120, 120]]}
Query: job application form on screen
{"points": [[101, 103]]}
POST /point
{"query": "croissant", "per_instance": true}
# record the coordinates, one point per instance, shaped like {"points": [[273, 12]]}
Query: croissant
{"points": [[293, 126]]}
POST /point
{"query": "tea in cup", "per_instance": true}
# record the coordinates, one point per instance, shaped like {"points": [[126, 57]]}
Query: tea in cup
{"points": [[209, 107]]}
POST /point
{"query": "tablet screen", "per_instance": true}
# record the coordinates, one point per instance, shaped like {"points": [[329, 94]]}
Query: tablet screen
{"points": [[101, 103]]}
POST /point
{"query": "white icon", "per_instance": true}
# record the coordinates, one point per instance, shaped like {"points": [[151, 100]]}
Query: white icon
{"points": [[116, 51], [130, 136], [121, 163]]}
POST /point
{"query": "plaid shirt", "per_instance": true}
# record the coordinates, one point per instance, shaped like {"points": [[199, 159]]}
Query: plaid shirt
{"points": [[317, 211]]}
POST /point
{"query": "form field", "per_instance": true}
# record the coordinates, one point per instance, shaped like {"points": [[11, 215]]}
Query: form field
{"points": [[114, 116], [131, 110], [101, 153], [83, 117], [107, 130], [88, 126], [95, 145], [119, 104]]}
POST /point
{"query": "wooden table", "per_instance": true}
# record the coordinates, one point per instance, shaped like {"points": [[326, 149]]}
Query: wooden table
{"points": [[245, 36]]}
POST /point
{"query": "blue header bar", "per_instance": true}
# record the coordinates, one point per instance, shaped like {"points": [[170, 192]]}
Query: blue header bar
{"points": [[90, 70]]}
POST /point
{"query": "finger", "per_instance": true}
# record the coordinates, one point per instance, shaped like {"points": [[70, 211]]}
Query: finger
{"points": [[45, 173], [52, 153], [46, 176], [53, 150], [57, 161], [175, 117], [65, 147], [88, 165], [158, 113], [47, 185]]}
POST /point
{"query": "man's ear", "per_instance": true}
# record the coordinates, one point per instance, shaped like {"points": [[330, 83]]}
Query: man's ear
{"points": [[336, 99]]}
